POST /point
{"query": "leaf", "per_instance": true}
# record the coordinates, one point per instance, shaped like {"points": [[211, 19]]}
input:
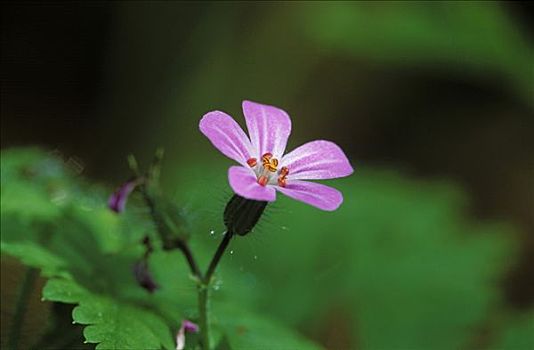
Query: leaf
{"points": [[111, 324], [88, 254]]}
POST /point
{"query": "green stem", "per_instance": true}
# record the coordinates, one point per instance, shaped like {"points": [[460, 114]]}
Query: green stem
{"points": [[204, 280], [20, 309], [203, 289], [203, 316], [190, 258], [218, 254]]}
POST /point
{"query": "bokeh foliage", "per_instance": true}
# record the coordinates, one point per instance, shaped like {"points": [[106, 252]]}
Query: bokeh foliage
{"points": [[62, 226], [313, 58], [399, 265], [474, 37]]}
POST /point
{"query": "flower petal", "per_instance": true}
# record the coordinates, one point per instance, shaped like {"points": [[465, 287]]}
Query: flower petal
{"points": [[318, 195], [190, 327], [187, 327], [244, 183], [117, 201], [268, 127], [226, 135], [317, 160]]}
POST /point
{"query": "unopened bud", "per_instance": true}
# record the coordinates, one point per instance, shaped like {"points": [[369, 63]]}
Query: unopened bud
{"points": [[144, 277], [117, 201]]}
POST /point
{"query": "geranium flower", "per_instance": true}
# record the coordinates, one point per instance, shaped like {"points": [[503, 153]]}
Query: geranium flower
{"points": [[264, 167]]}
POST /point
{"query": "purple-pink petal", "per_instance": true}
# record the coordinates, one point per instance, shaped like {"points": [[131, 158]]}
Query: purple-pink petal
{"points": [[244, 183], [226, 135], [117, 201], [187, 327], [316, 194], [268, 127], [317, 160]]}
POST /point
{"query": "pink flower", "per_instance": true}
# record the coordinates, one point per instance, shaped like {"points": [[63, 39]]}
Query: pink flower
{"points": [[187, 327], [264, 167], [117, 201]]}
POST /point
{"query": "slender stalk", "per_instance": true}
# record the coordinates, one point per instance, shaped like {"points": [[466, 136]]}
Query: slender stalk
{"points": [[203, 289], [204, 280], [20, 308], [218, 254], [190, 258], [203, 316]]}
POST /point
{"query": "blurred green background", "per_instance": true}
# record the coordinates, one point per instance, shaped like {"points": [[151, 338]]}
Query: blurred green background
{"points": [[432, 101]]}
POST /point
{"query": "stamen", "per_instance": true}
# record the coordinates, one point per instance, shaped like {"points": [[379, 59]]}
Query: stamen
{"points": [[272, 165], [283, 176], [262, 180], [266, 157], [252, 162]]}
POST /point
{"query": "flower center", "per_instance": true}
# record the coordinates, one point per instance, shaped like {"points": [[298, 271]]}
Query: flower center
{"points": [[268, 169]]}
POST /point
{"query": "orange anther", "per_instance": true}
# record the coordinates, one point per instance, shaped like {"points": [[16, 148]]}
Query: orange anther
{"points": [[262, 180], [266, 157], [284, 171], [282, 181], [252, 162], [269, 162], [271, 168]]}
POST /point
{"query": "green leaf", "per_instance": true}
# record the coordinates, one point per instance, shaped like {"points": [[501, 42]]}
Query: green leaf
{"points": [[111, 323], [88, 254]]}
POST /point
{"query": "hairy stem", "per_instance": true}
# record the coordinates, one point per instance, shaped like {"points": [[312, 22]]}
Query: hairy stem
{"points": [[203, 316], [204, 280], [190, 258], [203, 289], [218, 254]]}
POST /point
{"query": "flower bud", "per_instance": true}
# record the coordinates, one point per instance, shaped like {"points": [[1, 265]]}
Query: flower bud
{"points": [[170, 220], [144, 277], [187, 327], [241, 214], [117, 201]]}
